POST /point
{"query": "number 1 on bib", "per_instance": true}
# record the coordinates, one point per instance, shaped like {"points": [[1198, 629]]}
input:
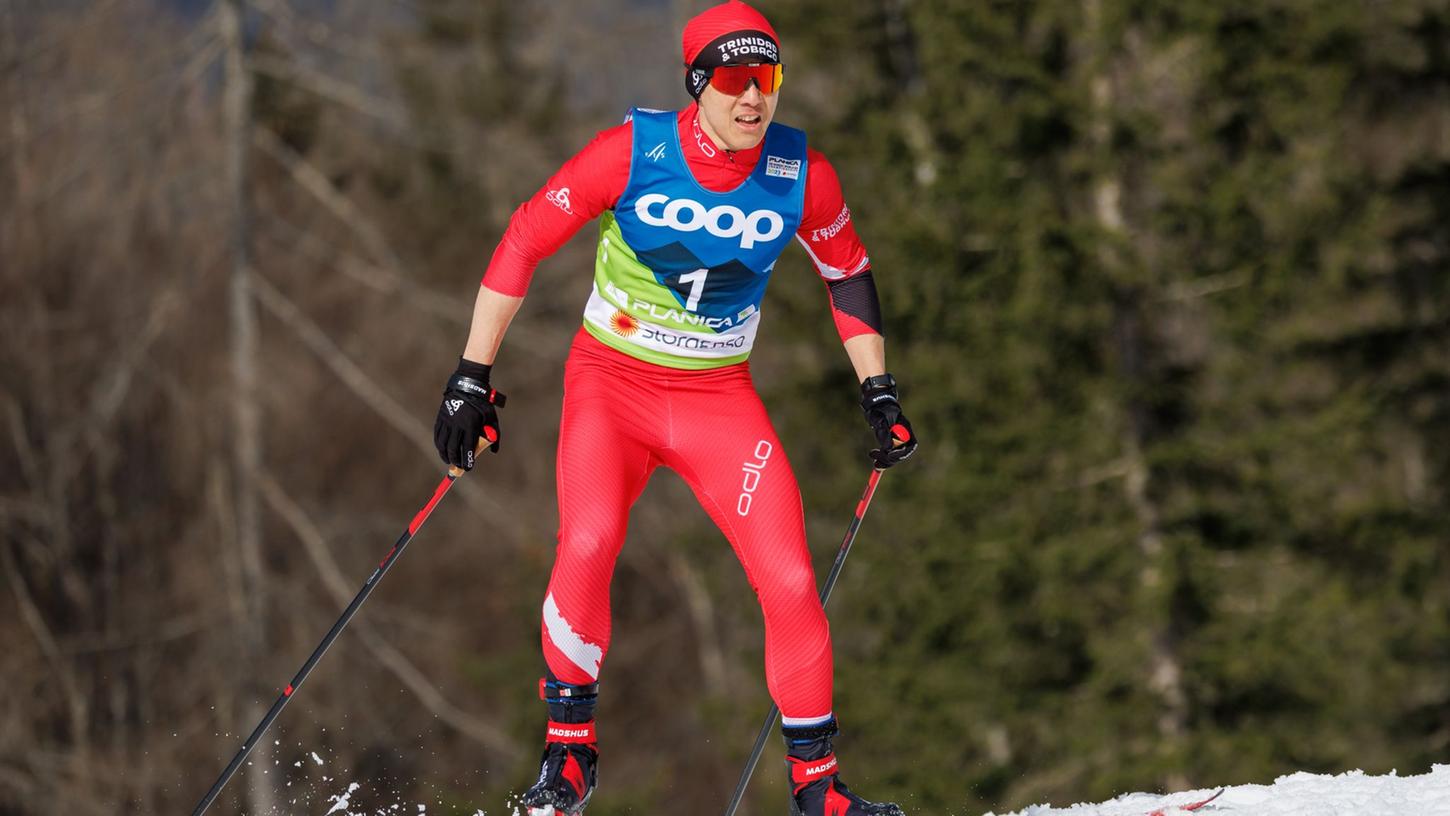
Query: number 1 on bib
{"points": [[696, 280]]}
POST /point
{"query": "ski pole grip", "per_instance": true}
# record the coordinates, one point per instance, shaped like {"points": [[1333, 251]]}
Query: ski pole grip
{"points": [[483, 443]]}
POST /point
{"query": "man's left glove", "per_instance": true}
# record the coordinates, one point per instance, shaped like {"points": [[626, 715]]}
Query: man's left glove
{"points": [[883, 412], [467, 413]]}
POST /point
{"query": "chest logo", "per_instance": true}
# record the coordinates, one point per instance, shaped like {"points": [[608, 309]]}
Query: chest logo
{"points": [[723, 221], [782, 168]]}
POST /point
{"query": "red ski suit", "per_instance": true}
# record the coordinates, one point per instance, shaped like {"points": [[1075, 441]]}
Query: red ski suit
{"points": [[623, 417]]}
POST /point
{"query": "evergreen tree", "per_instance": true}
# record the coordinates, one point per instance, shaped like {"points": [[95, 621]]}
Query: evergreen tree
{"points": [[1150, 296]]}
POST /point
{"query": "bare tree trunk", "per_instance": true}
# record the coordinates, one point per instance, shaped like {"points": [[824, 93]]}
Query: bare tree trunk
{"points": [[1165, 673], [25, 253], [247, 442], [701, 608], [19, 136]]}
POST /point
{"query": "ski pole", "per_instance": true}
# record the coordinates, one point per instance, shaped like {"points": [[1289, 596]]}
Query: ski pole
{"points": [[357, 601], [825, 596]]}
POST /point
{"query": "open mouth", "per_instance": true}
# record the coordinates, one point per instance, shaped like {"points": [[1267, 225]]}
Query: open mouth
{"points": [[749, 120]]}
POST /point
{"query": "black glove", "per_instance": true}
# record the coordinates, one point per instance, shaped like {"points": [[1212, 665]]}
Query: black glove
{"points": [[883, 413], [466, 414]]}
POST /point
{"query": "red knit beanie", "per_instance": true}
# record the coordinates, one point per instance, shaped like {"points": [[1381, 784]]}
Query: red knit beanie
{"points": [[729, 32]]}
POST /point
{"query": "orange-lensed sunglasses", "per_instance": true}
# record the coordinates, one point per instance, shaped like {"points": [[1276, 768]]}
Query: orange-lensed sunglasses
{"points": [[733, 80]]}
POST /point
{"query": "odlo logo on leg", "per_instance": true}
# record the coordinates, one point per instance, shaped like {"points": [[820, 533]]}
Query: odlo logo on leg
{"points": [[750, 476]]}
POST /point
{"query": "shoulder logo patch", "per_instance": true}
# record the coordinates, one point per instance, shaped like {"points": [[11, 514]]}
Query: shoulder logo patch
{"points": [[559, 198], [656, 153]]}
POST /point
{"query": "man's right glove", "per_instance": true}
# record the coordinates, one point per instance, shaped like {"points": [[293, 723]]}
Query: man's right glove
{"points": [[467, 413], [883, 413]]}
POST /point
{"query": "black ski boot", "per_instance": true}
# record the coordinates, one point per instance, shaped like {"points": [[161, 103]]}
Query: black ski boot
{"points": [[816, 787], [571, 753]]}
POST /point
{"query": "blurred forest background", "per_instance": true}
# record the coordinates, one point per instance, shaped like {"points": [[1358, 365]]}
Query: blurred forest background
{"points": [[1166, 288]]}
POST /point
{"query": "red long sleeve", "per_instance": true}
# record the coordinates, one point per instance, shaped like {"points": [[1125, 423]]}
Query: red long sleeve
{"points": [[587, 185], [829, 237]]}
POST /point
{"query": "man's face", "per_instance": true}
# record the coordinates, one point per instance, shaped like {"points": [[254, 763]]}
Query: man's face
{"points": [[736, 122]]}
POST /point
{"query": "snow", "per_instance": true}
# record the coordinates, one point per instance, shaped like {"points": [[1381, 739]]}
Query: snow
{"points": [[1301, 794], [340, 803]]}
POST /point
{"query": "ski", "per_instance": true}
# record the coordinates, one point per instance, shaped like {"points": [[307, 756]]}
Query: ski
{"points": [[1189, 808]]}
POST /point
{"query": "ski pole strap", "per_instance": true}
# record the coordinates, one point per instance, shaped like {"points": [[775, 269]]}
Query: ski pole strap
{"points": [[571, 733], [805, 771], [556, 690]]}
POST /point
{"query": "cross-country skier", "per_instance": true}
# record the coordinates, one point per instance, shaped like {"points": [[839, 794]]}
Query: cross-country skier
{"points": [[696, 205]]}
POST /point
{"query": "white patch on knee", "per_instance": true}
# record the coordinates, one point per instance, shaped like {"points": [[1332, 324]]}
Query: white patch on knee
{"points": [[580, 652]]}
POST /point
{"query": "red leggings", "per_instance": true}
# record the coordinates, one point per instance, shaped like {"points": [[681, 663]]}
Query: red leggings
{"points": [[623, 418]]}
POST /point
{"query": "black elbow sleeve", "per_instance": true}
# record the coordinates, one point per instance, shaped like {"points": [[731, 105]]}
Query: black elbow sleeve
{"points": [[856, 296]]}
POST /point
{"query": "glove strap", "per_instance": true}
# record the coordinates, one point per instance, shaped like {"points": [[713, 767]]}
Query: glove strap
{"points": [[469, 385], [876, 390], [880, 381]]}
